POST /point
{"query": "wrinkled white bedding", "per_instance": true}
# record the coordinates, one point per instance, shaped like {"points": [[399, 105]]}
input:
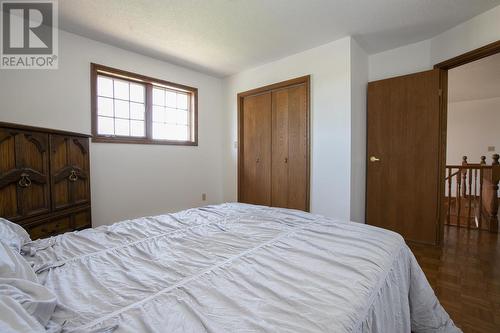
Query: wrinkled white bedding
{"points": [[236, 268]]}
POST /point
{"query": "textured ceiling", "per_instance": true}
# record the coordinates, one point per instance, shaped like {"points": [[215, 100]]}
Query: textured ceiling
{"points": [[476, 80], [222, 37]]}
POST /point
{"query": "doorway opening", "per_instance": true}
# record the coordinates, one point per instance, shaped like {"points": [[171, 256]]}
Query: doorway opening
{"points": [[412, 187], [472, 171]]}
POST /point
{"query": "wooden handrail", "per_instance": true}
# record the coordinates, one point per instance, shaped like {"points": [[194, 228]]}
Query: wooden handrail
{"points": [[469, 166], [452, 175]]}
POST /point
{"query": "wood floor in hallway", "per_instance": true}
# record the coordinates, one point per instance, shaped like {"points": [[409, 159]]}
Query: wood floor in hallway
{"points": [[465, 275]]}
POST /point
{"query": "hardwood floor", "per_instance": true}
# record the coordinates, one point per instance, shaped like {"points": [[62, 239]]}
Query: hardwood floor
{"points": [[465, 275]]}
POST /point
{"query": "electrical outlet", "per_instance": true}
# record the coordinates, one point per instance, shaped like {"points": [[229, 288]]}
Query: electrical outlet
{"points": [[491, 148], [204, 196]]}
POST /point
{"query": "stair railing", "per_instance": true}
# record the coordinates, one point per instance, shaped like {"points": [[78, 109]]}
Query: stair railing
{"points": [[472, 194]]}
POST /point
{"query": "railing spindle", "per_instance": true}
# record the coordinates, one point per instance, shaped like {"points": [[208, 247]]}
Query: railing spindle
{"points": [[475, 184], [464, 177], [449, 196], [495, 172], [459, 195], [481, 175], [470, 198]]}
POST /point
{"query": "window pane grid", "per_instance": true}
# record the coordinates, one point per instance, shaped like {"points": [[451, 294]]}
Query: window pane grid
{"points": [[116, 102], [125, 101], [116, 99], [114, 113], [119, 118], [170, 115]]}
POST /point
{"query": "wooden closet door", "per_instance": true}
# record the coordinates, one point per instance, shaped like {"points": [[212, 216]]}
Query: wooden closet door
{"points": [[255, 169], [289, 148], [280, 127], [24, 169], [70, 171]]}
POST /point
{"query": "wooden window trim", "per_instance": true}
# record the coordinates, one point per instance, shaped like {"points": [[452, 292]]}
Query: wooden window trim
{"points": [[96, 70]]}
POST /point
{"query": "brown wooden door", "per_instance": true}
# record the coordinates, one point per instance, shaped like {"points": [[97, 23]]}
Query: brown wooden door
{"points": [[289, 148], [24, 170], [255, 169], [69, 171], [404, 122], [273, 157]]}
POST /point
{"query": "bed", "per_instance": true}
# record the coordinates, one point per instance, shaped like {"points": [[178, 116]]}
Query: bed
{"points": [[223, 268]]}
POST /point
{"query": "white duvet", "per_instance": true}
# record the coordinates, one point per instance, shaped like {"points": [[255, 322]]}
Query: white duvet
{"points": [[236, 268]]}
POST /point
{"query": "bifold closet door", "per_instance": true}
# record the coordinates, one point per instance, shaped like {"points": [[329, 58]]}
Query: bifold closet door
{"points": [[255, 183], [273, 135], [289, 148]]}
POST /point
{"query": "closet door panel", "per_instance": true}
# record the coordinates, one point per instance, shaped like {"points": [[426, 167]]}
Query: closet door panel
{"points": [[279, 181], [256, 144], [297, 147]]}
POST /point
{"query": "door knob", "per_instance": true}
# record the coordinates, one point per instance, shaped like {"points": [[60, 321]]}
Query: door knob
{"points": [[374, 159]]}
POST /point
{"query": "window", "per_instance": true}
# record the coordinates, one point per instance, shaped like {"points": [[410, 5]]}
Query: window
{"points": [[132, 108], [121, 107]]}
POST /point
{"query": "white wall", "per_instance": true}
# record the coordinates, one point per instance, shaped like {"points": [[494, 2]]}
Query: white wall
{"points": [[127, 180], [478, 31], [400, 61], [135, 180], [359, 80], [470, 35], [329, 67], [472, 127], [339, 72]]}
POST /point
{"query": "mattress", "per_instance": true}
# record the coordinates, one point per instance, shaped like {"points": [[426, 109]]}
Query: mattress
{"points": [[236, 268]]}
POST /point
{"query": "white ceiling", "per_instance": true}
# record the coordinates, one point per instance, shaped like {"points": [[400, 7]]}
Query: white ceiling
{"points": [[222, 37], [476, 80]]}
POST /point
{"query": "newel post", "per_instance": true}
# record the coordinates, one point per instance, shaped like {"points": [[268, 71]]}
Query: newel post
{"points": [[482, 163], [464, 177], [495, 178]]}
